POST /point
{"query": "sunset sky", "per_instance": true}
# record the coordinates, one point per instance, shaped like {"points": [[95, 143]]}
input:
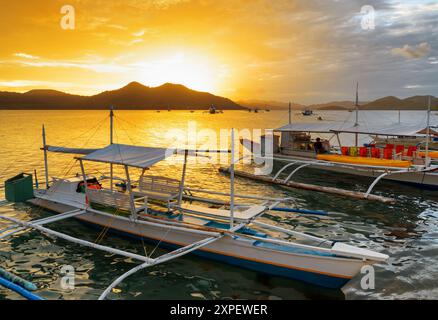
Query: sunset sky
{"points": [[285, 50]]}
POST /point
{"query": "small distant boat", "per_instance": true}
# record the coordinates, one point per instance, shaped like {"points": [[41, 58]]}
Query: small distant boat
{"points": [[212, 110], [256, 110], [267, 110], [192, 111], [307, 112]]}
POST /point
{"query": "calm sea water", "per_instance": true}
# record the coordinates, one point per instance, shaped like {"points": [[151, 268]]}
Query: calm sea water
{"points": [[407, 231]]}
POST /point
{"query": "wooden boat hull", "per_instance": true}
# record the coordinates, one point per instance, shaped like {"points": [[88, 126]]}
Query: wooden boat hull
{"points": [[423, 180], [320, 269]]}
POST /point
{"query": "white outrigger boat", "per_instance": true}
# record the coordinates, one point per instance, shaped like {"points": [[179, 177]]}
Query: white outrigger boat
{"points": [[294, 144], [156, 211]]}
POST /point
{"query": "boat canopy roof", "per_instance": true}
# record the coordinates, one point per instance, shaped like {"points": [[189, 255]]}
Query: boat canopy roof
{"points": [[396, 129], [317, 127], [133, 156], [70, 150]]}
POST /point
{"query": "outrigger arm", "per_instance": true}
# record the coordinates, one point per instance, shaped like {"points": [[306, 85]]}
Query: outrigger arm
{"points": [[167, 257]]}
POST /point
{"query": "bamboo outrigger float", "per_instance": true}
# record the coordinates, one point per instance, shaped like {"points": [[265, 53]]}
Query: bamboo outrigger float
{"points": [[226, 234]]}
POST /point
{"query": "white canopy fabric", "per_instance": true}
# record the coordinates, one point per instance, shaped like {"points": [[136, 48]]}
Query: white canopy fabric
{"points": [[70, 150], [133, 156], [317, 127], [396, 129]]}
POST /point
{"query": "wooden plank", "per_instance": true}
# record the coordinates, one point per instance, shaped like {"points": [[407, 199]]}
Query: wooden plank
{"points": [[311, 187], [246, 215]]}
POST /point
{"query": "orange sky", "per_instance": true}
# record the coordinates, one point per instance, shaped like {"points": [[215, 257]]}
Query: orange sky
{"points": [[304, 51]]}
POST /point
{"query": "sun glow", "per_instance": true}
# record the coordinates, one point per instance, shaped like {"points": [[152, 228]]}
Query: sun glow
{"points": [[195, 72]]}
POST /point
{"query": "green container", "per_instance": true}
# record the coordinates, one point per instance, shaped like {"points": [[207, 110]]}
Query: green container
{"points": [[19, 188]]}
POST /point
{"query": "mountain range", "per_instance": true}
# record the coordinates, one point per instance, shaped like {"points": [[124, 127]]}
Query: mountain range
{"points": [[385, 103], [134, 96]]}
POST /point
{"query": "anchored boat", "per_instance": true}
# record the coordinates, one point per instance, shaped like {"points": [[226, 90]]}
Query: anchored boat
{"points": [[166, 212], [295, 144]]}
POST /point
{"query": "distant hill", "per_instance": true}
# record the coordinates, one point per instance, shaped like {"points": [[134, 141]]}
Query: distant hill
{"points": [[394, 103], [386, 103], [269, 104], [134, 96]]}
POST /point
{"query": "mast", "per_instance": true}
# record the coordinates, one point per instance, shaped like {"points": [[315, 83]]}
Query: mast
{"points": [[232, 181], [356, 124], [111, 142], [46, 166], [290, 113], [427, 159], [183, 178]]}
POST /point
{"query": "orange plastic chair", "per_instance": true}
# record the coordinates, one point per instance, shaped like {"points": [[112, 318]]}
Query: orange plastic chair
{"points": [[363, 151], [375, 153], [411, 151], [399, 149], [387, 153], [344, 151]]}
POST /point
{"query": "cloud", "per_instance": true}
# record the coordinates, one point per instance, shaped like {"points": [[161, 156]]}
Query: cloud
{"points": [[93, 66], [32, 83], [412, 86], [139, 33], [412, 52], [25, 55]]}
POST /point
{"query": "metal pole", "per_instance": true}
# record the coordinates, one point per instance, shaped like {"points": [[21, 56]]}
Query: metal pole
{"points": [[399, 116], [290, 113], [46, 166], [232, 181], [84, 177], [183, 178], [356, 124], [427, 159], [339, 140], [111, 142], [131, 196]]}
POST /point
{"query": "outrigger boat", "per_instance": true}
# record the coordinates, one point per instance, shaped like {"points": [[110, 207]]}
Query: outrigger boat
{"points": [[156, 210], [294, 144]]}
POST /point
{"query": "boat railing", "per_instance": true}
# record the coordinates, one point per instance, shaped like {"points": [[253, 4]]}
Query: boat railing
{"points": [[114, 199]]}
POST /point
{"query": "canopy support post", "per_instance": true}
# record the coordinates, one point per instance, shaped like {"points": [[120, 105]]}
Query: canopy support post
{"points": [[183, 178], [356, 124], [131, 195], [46, 165], [290, 113], [232, 181], [84, 177], [111, 142], [339, 140], [426, 156]]}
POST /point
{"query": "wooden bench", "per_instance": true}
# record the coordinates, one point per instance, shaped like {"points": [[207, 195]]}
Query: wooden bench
{"points": [[113, 199], [158, 188], [239, 216]]}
